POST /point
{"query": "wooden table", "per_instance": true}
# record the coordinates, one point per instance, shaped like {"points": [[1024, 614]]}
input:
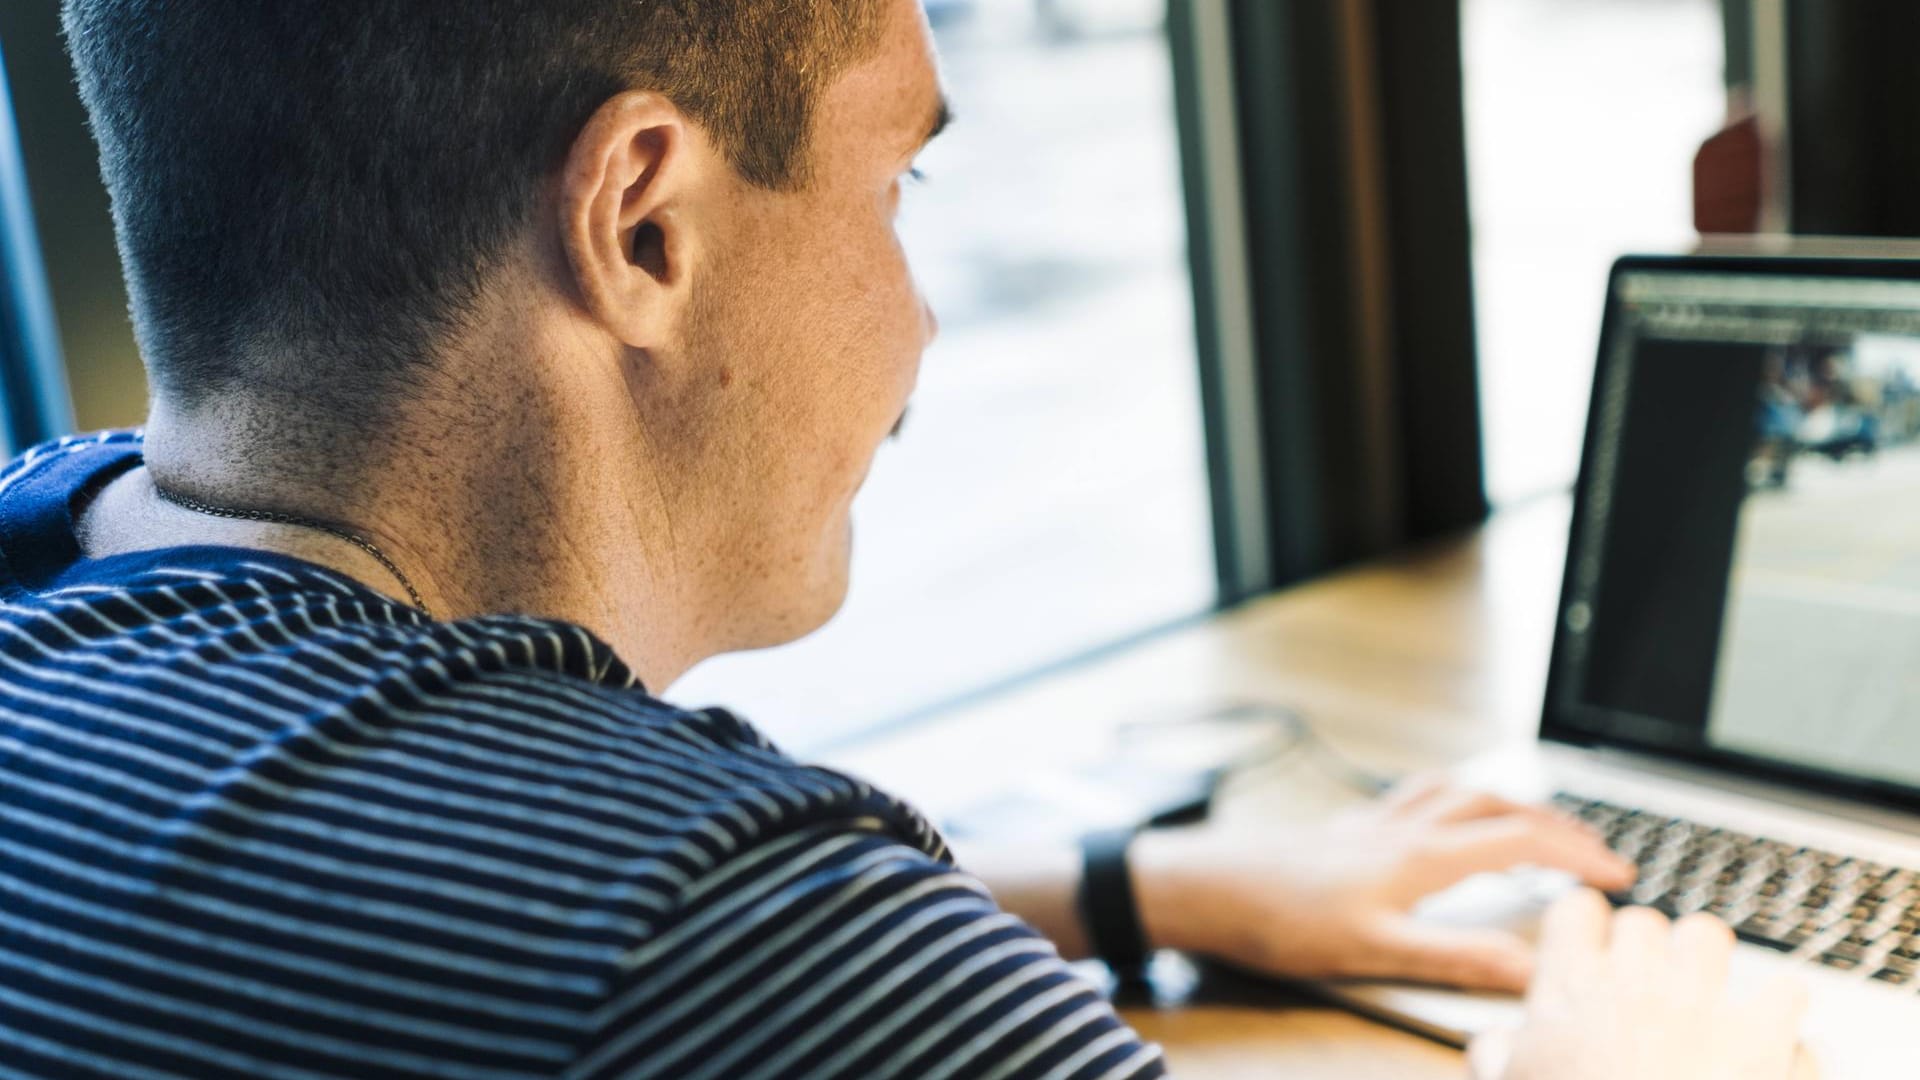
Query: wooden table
{"points": [[1413, 663]]}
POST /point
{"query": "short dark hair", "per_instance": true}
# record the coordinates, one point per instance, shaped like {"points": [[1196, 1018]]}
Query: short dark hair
{"points": [[309, 194]]}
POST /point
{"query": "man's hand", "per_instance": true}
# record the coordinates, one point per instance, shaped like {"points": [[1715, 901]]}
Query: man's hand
{"points": [[1634, 996], [1333, 899]]}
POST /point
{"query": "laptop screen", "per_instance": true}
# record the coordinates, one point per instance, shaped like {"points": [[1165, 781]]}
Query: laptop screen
{"points": [[1743, 578]]}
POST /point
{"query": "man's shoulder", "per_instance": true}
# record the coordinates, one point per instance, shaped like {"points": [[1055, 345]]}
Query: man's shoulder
{"points": [[545, 709], [542, 693]]}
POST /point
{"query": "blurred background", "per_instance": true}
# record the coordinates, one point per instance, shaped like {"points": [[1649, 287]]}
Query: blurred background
{"points": [[1232, 292]]}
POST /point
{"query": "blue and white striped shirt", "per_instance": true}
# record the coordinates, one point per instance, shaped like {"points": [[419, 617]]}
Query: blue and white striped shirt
{"points": [[258, 820]]}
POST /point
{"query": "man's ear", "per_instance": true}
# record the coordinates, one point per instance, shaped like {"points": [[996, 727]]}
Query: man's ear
{"points": [[628, 245]]}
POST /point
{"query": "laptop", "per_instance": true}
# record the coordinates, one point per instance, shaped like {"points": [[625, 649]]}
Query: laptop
{"points": [[1734, 691]]}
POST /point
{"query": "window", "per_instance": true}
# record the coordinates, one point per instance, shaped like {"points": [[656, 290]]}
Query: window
{"points": [[1049, 492], [1582, 122]]}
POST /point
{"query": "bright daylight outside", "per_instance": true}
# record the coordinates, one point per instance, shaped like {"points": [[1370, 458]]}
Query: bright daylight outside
{"points": [[1583, 117], [1048, 495]]}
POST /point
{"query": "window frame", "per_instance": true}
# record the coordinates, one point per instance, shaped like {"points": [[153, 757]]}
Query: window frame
{"points": [[1332, 268]]}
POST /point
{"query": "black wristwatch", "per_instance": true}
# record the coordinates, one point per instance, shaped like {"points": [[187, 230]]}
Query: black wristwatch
{"points": [[1107, 905]]}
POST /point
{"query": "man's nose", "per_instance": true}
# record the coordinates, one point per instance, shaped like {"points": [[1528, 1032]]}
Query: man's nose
{"points": [[931, 319]]}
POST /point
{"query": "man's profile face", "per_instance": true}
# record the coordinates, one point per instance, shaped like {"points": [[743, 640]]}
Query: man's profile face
{"points": [[816, 327]]}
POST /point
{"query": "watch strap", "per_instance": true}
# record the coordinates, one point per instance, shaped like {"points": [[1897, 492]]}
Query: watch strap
{"points": [[1107, 904]]}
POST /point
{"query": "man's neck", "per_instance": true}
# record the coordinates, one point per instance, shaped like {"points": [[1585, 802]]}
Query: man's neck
{"points": [[471, 519], [131, 514]]}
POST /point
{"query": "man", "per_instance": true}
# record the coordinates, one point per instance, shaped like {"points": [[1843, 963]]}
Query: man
{"points": [[508, 358]]}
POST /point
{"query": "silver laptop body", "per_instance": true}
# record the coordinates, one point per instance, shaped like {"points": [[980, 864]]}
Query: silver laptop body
{"points": [[1734, 693]]}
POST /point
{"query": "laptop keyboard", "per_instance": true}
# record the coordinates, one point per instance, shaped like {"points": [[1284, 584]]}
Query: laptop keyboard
{"points": [[1845, 913]]}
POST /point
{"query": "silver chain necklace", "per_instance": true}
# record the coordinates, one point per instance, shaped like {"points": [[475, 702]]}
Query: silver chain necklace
{"points": [[275, 518]]}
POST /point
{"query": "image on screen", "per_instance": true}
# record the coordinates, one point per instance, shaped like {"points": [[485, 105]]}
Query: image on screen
{"points": [[1822, 626]]}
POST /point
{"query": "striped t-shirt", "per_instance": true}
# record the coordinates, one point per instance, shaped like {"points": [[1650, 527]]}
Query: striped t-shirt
{"points": [[258, 820]]}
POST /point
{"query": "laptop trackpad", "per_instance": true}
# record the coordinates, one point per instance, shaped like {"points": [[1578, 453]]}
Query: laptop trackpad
{"points": [[1514, 901], [1854, 1029], [1511, 901]]}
